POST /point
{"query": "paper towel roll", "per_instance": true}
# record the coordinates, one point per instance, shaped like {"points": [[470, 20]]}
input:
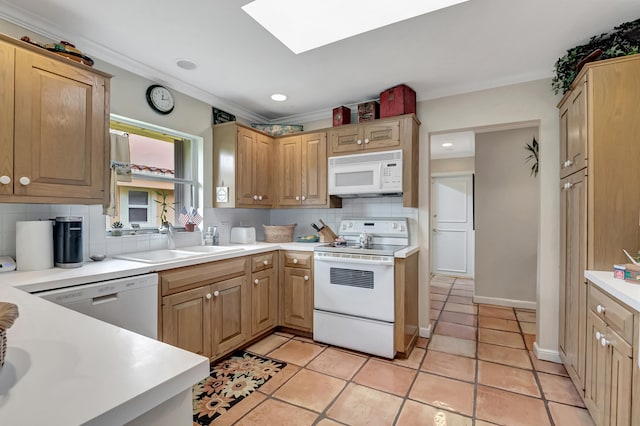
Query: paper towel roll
{"points": [[34, 245]]}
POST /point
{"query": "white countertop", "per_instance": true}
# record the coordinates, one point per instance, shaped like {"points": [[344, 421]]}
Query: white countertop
{"points": [[64, 368], [627, 293]]}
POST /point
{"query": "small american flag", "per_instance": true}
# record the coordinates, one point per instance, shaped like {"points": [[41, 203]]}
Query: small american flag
{"points": [[184, 216], [195, 217]]}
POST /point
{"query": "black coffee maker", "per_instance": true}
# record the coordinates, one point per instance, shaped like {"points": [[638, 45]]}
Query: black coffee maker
{"points": [[67, 242]]}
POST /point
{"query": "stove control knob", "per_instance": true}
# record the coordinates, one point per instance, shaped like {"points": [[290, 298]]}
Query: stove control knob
{"points": [[344, 226], [401, 228], [394, 225], [350, 224]]}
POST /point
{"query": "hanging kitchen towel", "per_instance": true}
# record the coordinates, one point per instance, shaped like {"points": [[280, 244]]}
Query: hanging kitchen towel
{"points": [[120, 168]]}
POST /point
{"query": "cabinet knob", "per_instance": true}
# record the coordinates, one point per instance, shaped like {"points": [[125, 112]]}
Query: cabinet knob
{"points": [[569, 185], [366, 141], [216, 293], [304, 198], [600, 309], [295, 260], [598, 335], [25, 181], [265, 262], [306, 277], [255, 197], [256, 281], [569, 163], [5, 180], [259, 197], [604, 342], [359, 142], [297, 198], [208, 296]]}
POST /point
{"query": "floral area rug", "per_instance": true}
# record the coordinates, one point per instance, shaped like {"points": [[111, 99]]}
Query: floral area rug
{"points": [[230, 381]]}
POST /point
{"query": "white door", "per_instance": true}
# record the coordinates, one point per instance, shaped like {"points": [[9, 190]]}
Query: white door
{"points": [[452, 235]]}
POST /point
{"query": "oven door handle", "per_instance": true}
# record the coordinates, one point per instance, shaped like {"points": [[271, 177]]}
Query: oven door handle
{"points": [[388, 261]]}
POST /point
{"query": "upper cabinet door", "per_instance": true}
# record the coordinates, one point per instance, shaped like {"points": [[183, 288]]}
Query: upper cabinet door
{"points": [[60, 129], [573, 130], [245, 167], [290, 170], [381, 135], [7, 61], [263, 170], [345, 139], [314, 169]]}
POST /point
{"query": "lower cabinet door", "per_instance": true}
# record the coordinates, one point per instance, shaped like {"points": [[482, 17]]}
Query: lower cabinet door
{"points": [[264, 301], [186, 320], [619, 383], [297, 299], [596, 372], [229, 314]]}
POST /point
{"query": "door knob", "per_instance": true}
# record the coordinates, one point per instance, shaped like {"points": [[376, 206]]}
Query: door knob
{"points": [[25, 181], [5, 180], [216, 293], [359, 142], [265, 262], [256, 281], [208, 296], [366, 141], [304, 198], [598, 335], [600, 309], [259, 197], [295, 260], [604, 342], [255, 197], [306, 277], [297, 198]]}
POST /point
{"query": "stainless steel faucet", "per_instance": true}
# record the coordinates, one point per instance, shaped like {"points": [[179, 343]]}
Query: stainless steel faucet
{"points": [[170, 240]]}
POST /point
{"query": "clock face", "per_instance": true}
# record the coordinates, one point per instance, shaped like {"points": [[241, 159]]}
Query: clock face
{"points": [[160, 99]]}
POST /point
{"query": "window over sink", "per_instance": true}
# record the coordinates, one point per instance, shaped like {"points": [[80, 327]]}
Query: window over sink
{"points": [[166, 167]]}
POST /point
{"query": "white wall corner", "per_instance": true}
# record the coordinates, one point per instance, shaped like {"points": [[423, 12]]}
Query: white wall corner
{"points": [[426, 331], [546, 354], [521, 304]]}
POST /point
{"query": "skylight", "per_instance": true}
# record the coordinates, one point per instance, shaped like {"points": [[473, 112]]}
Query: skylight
{"points": [[302, 25]]}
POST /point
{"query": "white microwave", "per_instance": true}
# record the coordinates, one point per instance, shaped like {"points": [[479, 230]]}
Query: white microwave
{"points": [[368, 175]]}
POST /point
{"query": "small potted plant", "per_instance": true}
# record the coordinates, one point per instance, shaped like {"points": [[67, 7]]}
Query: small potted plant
{"points": [[165, 206], [116, 229]]}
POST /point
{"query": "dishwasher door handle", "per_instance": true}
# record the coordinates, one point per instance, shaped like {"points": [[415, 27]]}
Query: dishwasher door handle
{"points": [[104, 299]]}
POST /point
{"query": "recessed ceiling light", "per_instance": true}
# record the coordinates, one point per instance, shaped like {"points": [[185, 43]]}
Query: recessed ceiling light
{"points": [[306, 25], [186, 64], [278, 97], [447, 145]]}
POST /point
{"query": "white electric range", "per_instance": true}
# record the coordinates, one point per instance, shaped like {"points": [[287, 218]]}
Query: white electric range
{"points": [[354, 285]]}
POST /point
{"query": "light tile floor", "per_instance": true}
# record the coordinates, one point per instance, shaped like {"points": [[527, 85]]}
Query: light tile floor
{"points": [[478, 369]]}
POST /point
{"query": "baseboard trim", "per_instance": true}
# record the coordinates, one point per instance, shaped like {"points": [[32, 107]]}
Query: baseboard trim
{"points": [[546, 354], [426, 331], [523, 304]]}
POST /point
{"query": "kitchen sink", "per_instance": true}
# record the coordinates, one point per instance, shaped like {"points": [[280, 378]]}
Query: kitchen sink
{"points": [[212, 249], [166, 255]]}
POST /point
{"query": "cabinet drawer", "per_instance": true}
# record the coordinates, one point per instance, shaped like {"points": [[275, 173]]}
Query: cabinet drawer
{"points": [[262, 262], [296, 259], [181, 279], [618, 317]]}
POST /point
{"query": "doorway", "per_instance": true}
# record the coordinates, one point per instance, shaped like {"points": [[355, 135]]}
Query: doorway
{"points": [[452, 225]]}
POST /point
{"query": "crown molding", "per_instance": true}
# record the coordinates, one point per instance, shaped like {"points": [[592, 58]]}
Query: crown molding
{"points": [[48, 29]]}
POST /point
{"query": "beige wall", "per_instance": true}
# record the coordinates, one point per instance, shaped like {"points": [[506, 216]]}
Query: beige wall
{"points": [[506, 217], [531, 102], [451, 165]]}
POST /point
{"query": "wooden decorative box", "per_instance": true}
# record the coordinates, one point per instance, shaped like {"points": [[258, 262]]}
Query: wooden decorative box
{"points": [[397, 100], [368, 111], [341, 115]]}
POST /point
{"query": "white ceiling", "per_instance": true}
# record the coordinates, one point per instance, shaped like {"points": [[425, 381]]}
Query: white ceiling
{"points": [[471, 46], [463, 144]]}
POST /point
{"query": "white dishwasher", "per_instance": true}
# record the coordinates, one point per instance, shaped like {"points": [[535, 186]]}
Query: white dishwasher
{"points": [[130, 303]]}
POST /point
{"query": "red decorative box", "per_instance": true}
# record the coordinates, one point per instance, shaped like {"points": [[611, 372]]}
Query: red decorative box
{"points": [[341, 115], [397, 100], [368, 111]]}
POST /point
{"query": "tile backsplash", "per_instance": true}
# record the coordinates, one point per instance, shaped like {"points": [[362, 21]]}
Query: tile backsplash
{"points": [[95, 240]]}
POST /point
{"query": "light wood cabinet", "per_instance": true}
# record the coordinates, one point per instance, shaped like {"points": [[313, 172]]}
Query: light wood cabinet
{"points": [[242, 164], [406, 327], [573, 286], [599, 208], [302, 171], [369, 136], [609, 394], [296, 291], [229, 315], [54, 131], [187, 320], [264, 293], [254, 169]]}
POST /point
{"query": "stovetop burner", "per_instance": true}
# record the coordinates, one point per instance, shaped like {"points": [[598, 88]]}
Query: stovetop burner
{"points": [[386, 236]]}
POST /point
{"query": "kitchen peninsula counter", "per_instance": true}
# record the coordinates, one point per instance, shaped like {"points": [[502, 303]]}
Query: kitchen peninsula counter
{"points": [[64, 368]]}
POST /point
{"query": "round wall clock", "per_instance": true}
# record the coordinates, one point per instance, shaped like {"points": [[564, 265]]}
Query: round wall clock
{"points": [[160, 99]]}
